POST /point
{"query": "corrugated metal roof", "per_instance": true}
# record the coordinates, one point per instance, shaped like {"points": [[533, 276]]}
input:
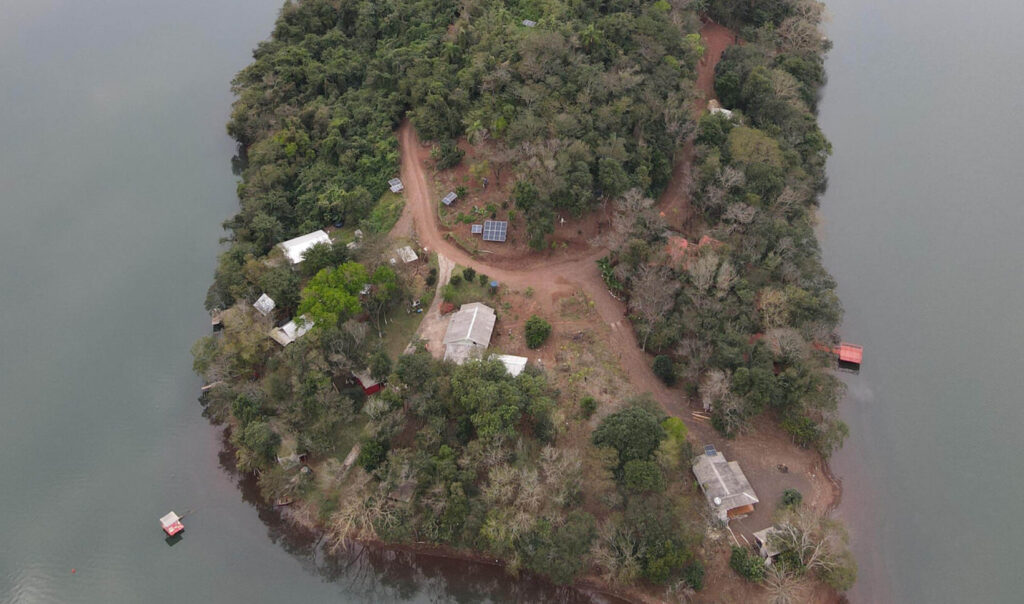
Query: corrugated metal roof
{"points": [[850, 353], [294, 248], [264, 305], [470, 328], [723, 481]]}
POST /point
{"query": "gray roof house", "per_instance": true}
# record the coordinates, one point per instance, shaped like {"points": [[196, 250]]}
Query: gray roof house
{"points": [[469, 332], [726, 488]]}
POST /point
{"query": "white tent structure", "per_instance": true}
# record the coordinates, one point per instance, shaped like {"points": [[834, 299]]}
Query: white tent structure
{"points": [[264, 305], [295, 248], [513, 364], [291, 331], [469, 332], [407, 254]]}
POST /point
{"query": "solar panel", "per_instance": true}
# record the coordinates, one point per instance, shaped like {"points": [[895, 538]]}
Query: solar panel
{"points": [[495, 230], [476, 229], [709, 450], [449, 198]]}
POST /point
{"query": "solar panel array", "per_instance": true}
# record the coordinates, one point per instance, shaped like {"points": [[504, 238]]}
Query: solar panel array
{"points": [[476, 229], [495, 230], [449, 198]]}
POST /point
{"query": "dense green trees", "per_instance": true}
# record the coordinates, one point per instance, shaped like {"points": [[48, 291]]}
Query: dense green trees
{"points": [[634, 433], [537, 331], [332, 296]]}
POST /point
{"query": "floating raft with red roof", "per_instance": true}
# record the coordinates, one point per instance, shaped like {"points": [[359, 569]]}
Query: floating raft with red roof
{"points": [[171, 523]]}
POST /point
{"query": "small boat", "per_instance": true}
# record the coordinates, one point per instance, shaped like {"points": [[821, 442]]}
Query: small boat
{"points": [[171, 523]]}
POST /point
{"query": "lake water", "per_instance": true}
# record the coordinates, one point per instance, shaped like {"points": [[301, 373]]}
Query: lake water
{"points": [[114, 178], [922, 229]]}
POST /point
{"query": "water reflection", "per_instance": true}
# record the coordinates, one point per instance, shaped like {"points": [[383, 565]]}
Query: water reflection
{"points": [[381, 574]]}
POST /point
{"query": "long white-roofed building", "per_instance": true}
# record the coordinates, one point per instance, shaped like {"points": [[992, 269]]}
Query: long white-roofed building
{"points": [[295, 248]]}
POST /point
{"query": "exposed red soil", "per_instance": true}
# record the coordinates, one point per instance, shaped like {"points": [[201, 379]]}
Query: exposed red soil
{"points": [[557, 273]]}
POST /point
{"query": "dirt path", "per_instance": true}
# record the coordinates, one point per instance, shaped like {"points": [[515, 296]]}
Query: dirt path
{"points": [[674, 202], [761, 453]]}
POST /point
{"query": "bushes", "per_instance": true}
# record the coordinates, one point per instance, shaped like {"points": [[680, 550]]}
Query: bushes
{"points": [[431, 277], [633, 432], [537, 331], [468, 274], [447, 155], [372, 454], [791, 498], [455, 279], [747, 564], [665, 369], [639, 476], [588, 405]]}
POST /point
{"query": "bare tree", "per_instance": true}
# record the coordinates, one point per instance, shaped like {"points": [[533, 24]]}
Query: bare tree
{"points": [[654, 296]]}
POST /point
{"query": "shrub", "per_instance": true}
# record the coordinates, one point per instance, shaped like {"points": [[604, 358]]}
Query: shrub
{"points": [[447, 155], [372, 454], [634, 432], [455, 279], [468, 274], [665, 369], [694, 575], [640, 476], [483, 279], [448, 292], [431, 278], [588, 405], [791, 498], [537, 331], [747, 564]]}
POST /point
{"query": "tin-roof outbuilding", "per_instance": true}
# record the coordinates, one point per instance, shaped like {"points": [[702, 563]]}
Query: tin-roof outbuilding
{"points": [[264, 305], [291, 331], [725, 486], [469, 332], [295, 248], [513, 364]]}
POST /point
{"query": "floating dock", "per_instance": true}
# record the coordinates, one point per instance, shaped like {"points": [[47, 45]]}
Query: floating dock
{"points": [[171, 523]]}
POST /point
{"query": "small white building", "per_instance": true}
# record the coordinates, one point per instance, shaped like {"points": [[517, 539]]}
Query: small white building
{"points": [[469, 332], [513, 364], [295, 248], [291, 331], [715, 108], [407, 254], [264, 305]]}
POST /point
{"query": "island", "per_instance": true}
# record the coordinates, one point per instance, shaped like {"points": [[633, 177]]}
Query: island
{"points": [[538, 282]]}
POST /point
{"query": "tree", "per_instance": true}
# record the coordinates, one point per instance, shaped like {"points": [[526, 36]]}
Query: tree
{"points": [[468, 274], [747, 564], [588, 405], [321, 256], [332, 296], [654, 295], [642, 476], [372, 454], [380, 365], [537, 331], [665, 369], [257, 444], [633, 432], [282, 285]]}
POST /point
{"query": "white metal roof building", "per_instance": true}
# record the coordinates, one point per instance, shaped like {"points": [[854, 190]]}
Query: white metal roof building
{"points": [[407, 254], [291, 331], [264, 305], [513, 364], [295, 248], [469, 332], [725, 486]]}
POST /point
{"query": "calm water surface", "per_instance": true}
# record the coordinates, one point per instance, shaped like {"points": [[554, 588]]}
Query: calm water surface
{"points": [[114, 178], [922, 228]]}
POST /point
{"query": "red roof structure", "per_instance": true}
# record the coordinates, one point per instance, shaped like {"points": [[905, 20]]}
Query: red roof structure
{"points": [[850, 353], [676, 248], [367, 383], [171, 523]]}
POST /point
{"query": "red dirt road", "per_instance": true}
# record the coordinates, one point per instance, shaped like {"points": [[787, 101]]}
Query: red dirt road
{"points": [[554, 278]]}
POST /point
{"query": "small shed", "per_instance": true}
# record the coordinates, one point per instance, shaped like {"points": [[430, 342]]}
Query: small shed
{"points": [[725, 486], [396, 185], [295, 248], [264, 305], [449, 199], [469, 332], [766, 546], [850, 355], [513, 364], [171, 524], [291, 331], [407, 254], [367, 383]]}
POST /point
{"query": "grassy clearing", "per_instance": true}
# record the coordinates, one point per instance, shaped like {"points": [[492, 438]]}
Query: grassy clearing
{"points": [[385, 214], [465, 291], [399, 331]]}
